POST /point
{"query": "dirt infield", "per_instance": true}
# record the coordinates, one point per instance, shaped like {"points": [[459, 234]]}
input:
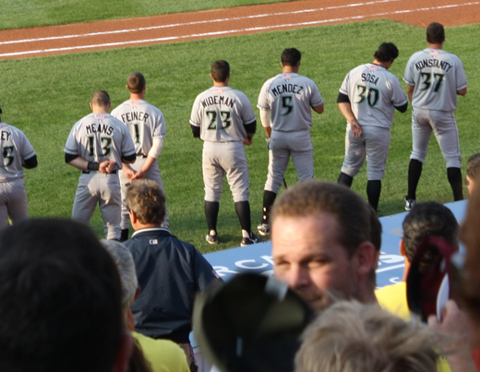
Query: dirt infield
{"points": [[39, 41]]}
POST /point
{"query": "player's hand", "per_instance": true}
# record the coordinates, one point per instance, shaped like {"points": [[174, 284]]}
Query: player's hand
{"points": [[129, 172], [247, 142], [141, 174], [104, 166], [356, 129]]}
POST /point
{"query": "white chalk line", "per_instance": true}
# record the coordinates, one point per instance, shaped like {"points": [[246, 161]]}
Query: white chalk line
{"points": [[219, 20], [235, 31]]}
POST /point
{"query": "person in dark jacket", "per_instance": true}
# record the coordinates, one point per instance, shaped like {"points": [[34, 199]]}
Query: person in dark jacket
{"points": [[169, 270]]}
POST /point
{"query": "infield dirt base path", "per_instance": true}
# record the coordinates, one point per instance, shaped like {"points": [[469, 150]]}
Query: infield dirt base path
{"points": [[80, 37]]}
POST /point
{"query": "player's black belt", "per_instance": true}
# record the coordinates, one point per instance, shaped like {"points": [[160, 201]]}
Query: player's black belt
{"points": [[88, 172]]}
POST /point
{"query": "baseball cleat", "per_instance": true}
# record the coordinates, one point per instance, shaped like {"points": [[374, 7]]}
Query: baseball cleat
{"points": [[264, 229], [409, 203], [250, 240], [211, 239]]}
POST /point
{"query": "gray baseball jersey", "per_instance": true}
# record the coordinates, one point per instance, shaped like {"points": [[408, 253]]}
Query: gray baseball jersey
{"points": [[222, 113], [15, 148], [437, 76], [290, 97], [373, 93], [99, 137], [145, 123]]}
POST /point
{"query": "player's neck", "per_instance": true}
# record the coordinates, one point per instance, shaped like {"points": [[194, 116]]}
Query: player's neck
{"points": [[435, 46], [220, 83], [385, 65], [136, 96], [290, 69]]}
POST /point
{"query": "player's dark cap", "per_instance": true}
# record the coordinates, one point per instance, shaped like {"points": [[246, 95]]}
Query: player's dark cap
{"points": [[386, 52], [435, 33], [291, 56]]}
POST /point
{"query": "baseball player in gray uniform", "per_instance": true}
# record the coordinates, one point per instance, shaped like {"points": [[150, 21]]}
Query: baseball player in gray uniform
{"points": [[146, 125], [97, 145], [434, 79], [367, 98], [223, 119], [16, 153], [285, 103]]}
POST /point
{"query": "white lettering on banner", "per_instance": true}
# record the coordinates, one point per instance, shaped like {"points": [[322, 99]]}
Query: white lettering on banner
{"points": [[390, 259], [223, 271], [269, 259]]}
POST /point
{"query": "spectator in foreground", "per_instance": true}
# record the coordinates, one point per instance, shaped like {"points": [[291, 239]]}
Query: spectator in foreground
{"points": [[325, 243], [355, 337], [473, 171], [60, 301], [163, 355], [424, 220], [169, 270]]}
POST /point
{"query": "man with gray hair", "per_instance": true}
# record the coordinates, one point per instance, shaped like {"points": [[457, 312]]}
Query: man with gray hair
{"points": [[163, 355], [169, 270]]}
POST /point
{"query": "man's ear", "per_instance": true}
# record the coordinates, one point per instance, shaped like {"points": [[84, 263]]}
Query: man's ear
{"points": [[401, 247], [366, 258], [124, 352]]}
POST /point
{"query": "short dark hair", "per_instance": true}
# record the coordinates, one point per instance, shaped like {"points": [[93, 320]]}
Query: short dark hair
{"points": [[428, 219], [357, 220], [473, 166], [386, 52], [291, 56], [220, 71], [100, 98], [136, 82], [60, 299], [435, 33], [147, 200]]}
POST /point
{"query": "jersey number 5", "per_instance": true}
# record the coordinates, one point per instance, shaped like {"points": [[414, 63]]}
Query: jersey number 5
{"points": [[7, 153]]}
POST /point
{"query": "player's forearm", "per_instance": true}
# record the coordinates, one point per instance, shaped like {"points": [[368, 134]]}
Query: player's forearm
{"points": [[346, 110], [77, 162], [147, 164], [319, 109], [462, 92], [268, 131], [410, 89]]}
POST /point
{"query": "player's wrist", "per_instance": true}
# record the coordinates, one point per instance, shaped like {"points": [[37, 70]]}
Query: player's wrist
{"points": [[93, 166]]}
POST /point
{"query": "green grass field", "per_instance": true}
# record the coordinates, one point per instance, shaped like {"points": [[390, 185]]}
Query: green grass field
{"points": [[46, 96], [31, 13]]}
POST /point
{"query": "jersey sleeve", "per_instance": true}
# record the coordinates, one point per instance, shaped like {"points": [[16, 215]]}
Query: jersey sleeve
{"points": [[26, 149], [408, 75], [344, 86], [128, 147], [398, 95], [247, 113], [315, 98], [204, 272], [461, 78], [71, 146], [196, 114], [263, 101]]}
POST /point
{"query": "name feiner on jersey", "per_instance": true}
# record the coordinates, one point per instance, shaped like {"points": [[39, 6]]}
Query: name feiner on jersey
{"points": [[135, 116]]}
